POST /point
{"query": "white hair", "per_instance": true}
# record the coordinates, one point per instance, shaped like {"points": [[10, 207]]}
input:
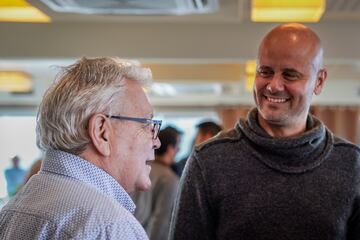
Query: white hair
{"points": [[89, 86]]}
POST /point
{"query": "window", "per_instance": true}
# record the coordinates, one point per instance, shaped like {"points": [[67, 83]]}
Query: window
{"points": [[17, 137]]}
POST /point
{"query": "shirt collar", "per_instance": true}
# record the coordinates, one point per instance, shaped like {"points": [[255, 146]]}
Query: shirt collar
{"points": [[70, 165]]}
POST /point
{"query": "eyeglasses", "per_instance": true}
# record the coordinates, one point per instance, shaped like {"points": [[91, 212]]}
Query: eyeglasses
{"points": [[156, 124]]}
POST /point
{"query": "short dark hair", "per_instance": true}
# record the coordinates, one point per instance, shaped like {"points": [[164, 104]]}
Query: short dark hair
{"points": [[209, 127], [168, 136]]}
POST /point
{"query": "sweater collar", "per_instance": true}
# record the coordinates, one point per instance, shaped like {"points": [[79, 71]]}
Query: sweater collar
{"points": [[288, 154]]}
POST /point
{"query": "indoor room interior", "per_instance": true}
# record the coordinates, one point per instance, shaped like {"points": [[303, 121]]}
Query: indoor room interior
{"points": [[201, 52]]}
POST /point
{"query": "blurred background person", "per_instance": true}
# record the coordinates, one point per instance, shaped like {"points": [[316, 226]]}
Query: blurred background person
{"points": [[205, 131], [34, 169], [14, 176], [153, 207]]}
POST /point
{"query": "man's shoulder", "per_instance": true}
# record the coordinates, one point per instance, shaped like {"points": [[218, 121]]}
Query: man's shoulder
{"points": [[74, 224], [10, 170], [341, 143], [347, 151], [220, 140], [68, 204], [60, 194]]}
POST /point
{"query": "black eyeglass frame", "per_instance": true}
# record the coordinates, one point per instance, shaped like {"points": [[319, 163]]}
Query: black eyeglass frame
{"points": [[141, 120]]}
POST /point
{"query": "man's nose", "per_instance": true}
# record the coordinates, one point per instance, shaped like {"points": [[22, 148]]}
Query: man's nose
{"points": [[276, 84], [157, 143]]}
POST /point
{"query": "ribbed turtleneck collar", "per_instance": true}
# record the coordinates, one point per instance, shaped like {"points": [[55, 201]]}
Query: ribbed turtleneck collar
{"points": [[289, 154]]}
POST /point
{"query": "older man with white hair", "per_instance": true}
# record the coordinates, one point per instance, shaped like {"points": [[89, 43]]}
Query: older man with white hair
{"points": [[95, 126]]}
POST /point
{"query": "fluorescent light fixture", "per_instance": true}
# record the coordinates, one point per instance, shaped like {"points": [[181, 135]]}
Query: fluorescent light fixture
{"points": [[15, 82], [250, 70], [163, 89], [21, 11], [186, 89], [287, 10]]}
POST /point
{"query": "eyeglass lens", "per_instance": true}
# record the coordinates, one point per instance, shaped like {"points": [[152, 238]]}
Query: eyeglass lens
{"points": [[156, 130]]}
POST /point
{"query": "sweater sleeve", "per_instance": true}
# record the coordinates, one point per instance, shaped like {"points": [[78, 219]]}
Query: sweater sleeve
{"points": [[192, 217], [354, 221]]}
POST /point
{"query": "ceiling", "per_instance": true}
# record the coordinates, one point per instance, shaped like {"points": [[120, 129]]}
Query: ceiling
{"points": [[219, 43]]}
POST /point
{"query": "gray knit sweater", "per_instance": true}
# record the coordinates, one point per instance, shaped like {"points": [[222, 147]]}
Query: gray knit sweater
{"points": [[245, 184]]}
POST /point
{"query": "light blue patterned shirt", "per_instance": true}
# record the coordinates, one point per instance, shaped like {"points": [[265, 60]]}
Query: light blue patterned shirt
{"points": [[70, 199]]}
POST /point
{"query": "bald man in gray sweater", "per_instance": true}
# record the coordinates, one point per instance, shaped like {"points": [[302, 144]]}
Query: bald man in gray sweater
{"points": [[279, 174]]}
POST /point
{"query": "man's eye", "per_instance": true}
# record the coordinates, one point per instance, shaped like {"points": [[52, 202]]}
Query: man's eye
{"points": [[147, 125], [264, 73], [290, 76], [152, 127]]}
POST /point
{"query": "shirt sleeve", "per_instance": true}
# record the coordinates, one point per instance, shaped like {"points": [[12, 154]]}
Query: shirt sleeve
{"points": [[192, 217]]}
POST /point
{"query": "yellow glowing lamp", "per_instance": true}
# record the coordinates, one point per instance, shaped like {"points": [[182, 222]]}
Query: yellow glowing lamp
{"points": [[287, 10], [21, 11], [15, 82], [250, 70]]}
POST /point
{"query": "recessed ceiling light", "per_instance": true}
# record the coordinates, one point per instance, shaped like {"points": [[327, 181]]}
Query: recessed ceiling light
{"points": [[287, 10], [21, 11]]}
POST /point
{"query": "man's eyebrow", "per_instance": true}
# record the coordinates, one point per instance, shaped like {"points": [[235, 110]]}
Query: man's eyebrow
{"points": [[294, 72], [264, 67], [291, 70]]}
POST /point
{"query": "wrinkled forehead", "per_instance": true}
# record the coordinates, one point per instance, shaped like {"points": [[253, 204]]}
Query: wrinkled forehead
{"points": [[135, 101]]}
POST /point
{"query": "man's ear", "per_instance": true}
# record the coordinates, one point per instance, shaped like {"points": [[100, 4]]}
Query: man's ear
{"points": [[321, 77], [99, 133]]}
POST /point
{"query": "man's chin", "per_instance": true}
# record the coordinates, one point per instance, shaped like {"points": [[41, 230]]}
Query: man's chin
{"points": [[273, 119]]}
